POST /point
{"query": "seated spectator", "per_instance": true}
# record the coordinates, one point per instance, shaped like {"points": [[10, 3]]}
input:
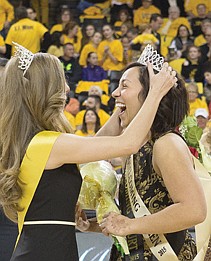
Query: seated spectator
{"points": [[96, 90], [192, 66], [127, 53], [194, 101], [110, 51], [200, 40], [196, 21], [56, 47], [123, 16], [90, 47], [142, 14], [93, 72], [70, 35], [132, 34], [202, 118], [207, 85], [117, 6], [65, 17], [181, 42], [71, 66], [90, 125], [191, 7], [171, 24], [125, 27], [87, 32], [156, 22], [206, 48], [93, 102], [146, 37]]}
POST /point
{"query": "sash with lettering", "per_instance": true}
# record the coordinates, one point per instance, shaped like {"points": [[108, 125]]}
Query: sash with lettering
{"points": [[158, 244], [31, 170]]}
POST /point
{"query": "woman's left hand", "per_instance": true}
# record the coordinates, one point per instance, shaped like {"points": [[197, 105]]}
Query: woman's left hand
{"points": [[115, 224]]}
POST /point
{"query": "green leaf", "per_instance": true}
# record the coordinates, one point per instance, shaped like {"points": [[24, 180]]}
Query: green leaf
{"points": [[193, 136]]}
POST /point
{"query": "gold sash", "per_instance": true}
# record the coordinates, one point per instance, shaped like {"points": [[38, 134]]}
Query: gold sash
{"points": [[31, 170], [158, 243]]}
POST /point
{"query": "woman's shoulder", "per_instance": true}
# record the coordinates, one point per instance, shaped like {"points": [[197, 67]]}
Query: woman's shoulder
{"points": [[170, 141], [170, 146]]}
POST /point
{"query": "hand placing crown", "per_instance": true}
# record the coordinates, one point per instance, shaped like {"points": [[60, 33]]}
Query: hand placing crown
{"points": [[149, 55], [25, 57]]}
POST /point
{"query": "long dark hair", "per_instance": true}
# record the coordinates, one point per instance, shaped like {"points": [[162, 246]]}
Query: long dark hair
{"points": [[97, 124], [173, 107]]}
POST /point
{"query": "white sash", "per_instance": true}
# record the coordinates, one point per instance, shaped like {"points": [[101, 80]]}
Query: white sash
{"points": [[158, 243]]}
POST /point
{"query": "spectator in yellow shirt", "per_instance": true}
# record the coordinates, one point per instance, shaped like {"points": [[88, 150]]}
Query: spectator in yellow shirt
{"points": [[87, 33], [171, 24], [90, 125], [194, 101], [146, 37], [28, 33], [90, 47], [142, 15], [70, 35], [93, 102], [6, 16], [200, 40], [110, 51], [191, 7], [66, 17]]}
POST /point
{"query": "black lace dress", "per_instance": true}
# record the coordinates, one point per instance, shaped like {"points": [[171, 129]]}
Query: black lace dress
{"points": [[153, 192], [54, 199]]}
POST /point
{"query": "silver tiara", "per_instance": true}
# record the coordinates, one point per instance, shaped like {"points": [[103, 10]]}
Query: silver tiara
{"points": [[25, 57], [149, 55]]}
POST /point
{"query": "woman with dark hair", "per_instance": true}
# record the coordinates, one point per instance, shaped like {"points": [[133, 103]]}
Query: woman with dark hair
{"points": [[181, 41], [192, 67], [91, 124], [71, 35], [87, 32], [159, 192], [39, 177], [93, 72], [56, 47]]}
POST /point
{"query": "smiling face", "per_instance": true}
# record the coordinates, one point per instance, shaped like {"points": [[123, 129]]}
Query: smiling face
{"points": [[127, 95]]}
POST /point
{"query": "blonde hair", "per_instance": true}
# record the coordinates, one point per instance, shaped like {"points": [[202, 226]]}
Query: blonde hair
{"points": [[29, 104]]}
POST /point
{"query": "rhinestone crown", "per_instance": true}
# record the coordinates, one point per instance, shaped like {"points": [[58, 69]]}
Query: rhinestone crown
{"points": [[25, 57]]}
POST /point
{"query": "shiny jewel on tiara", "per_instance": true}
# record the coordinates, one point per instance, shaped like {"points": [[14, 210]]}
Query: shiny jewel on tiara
{"points": [[25, 57], [150, 55]]}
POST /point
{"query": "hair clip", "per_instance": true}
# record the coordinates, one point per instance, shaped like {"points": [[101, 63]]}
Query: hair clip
{"points": [[149, 55], [25, 57]]}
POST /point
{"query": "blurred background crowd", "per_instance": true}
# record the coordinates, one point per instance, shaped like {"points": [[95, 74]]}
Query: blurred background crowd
{"points": [[96, 39]]}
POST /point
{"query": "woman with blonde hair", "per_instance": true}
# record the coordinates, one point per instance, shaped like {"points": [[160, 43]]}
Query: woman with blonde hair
{"points": [[39, 177]]}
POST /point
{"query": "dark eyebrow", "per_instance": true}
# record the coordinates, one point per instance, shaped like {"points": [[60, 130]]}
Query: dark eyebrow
{"points": [[124, 80]]}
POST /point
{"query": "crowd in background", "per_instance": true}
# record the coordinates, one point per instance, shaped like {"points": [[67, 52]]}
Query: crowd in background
{"points": [[100, 38], [97, 41]]}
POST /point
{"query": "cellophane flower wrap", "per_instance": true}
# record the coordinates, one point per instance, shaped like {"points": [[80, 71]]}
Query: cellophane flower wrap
{"points": [[98, 192]]}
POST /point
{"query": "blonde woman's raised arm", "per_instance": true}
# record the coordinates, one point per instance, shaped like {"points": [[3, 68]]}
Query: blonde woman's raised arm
{"points": [[74, 149]]}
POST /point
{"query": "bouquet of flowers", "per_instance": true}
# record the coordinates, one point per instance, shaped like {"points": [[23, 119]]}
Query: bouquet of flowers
{"points": [[192, 135], [98, 192]]}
